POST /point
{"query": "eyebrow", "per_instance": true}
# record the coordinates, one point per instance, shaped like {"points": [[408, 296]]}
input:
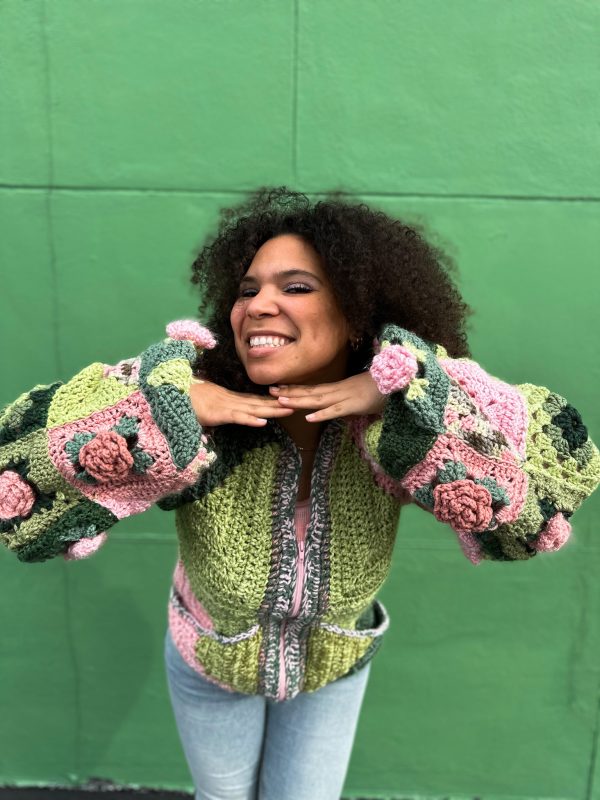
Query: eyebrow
{"points": [[286, 273]]}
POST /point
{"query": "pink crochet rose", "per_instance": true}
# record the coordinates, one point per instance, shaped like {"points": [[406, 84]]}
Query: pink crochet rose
{"points": [[464, 505], [192, 331], [16, 495], [555, 534], [393, 368], [106, 457]]}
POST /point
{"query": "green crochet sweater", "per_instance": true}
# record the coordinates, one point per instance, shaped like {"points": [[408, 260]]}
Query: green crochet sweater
{"points": [[503, 466]]}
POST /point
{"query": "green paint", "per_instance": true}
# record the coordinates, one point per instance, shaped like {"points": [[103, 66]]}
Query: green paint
{"points": [[476, 119]]}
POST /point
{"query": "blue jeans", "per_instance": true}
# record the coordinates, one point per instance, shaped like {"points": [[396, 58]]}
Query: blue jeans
{"points": [[246, 747]]}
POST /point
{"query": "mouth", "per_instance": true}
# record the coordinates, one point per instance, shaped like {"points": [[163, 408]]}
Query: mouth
{"points": [[265, 345], [269, 341]]}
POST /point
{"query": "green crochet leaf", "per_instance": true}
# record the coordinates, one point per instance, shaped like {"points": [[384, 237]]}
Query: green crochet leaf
{"points": [[499, 495], [74, 445], [424, 495], [83, 476], [452, 471], [127, 426], [141, 460]]}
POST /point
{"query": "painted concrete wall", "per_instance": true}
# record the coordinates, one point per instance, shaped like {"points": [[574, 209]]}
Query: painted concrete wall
{"points": [[124, 126]]}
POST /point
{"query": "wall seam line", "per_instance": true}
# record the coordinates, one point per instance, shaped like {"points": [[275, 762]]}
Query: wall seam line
{"points": [[49, 190], [57, 355], [295, 69], [55, 188]]}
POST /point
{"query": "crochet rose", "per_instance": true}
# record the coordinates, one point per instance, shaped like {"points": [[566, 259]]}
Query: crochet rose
{"points": [[464, 505], [16, 496], [555, 534], [393, 368], [106, 457]]}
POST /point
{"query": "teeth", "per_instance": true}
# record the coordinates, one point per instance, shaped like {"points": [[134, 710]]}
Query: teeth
{"points": [[268, 341]]}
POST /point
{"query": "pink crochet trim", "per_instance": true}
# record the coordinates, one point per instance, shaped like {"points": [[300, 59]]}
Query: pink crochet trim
{"points": [[185, 638], [470, 547], [393, 368], [85, 547], [464, 505], [106, 457], [16, 495], [555, 535], [190, 601], [192, 331]]}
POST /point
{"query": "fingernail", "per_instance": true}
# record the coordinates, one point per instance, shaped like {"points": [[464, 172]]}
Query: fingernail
{"points": [[309, 417], [285, 399], [275, 388]]}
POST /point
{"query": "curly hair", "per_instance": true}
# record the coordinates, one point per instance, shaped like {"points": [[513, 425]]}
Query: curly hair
{"points": [[381, 271]]}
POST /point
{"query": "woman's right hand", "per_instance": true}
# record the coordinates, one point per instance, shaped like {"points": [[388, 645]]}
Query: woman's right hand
{"points": [[214, 405]]}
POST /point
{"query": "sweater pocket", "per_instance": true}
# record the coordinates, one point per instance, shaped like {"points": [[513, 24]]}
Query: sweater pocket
{"points": [[334, 652], [229, 661]]}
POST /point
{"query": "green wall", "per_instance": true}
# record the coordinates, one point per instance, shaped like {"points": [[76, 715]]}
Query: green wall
{"points": [[124, 126]]}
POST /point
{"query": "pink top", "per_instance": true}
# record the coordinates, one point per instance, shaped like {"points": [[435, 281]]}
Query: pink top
{"points": [[301, 518]]}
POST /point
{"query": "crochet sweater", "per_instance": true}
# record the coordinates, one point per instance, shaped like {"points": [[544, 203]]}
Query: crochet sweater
{"points": [[254, 607]]}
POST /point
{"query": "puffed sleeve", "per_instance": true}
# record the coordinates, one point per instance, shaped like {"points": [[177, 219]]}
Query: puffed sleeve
{"points": [[504, 466], [77, 457]]}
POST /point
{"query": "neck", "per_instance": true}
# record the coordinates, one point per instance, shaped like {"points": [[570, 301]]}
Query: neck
{"points": [[304, 434]]}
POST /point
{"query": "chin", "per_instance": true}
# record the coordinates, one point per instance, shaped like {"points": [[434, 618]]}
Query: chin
{"points": [[269, 375], [266, 377]]}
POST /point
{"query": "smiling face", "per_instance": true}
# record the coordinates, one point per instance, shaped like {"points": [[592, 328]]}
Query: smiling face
{"points": [[286, 322]]}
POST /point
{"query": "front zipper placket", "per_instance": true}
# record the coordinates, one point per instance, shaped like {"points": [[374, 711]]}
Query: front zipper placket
{"points": [[299, 566], [279, 591], [294, 611], [296, 601]]}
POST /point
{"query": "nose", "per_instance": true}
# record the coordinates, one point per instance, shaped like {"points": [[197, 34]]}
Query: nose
{"points": [[263, 304]]}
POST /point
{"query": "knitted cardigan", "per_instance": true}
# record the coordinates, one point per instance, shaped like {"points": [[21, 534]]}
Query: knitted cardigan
{"points": [[503, 466]]}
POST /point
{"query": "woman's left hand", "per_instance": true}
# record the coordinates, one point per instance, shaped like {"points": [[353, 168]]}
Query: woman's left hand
{"points": [[357, 395]]}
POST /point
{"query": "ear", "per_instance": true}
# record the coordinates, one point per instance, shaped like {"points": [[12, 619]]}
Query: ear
{"points": [[356, 340]]}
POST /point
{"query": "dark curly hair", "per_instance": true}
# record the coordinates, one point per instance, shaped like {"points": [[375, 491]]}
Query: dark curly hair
{"points": [[381, 271]]}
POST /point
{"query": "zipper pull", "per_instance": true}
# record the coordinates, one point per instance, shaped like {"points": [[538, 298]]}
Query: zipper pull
{"points": [[301, 548]]}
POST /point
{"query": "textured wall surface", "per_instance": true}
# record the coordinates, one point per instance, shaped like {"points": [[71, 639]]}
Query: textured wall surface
{"points": [[124, 126]]}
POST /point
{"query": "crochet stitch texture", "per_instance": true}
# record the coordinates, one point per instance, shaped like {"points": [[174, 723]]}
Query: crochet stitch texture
{"points": [[503, 466]]}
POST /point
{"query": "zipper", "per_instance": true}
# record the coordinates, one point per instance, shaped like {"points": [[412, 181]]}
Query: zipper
{"points": [[296, 602]]}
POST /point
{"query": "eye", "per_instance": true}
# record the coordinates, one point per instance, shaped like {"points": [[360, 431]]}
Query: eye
{"points": [[297, 288], [247, 292]]}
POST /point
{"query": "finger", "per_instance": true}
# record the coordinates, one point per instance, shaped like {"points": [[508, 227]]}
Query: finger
{"points": [[263, 402], [310, 401], [241, 414], [297, 390], [240, 418], [330, 412], [248, 396], [266, 411]]}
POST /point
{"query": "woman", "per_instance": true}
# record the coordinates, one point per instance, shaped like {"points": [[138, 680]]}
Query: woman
{"points": [[338, 390]]}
